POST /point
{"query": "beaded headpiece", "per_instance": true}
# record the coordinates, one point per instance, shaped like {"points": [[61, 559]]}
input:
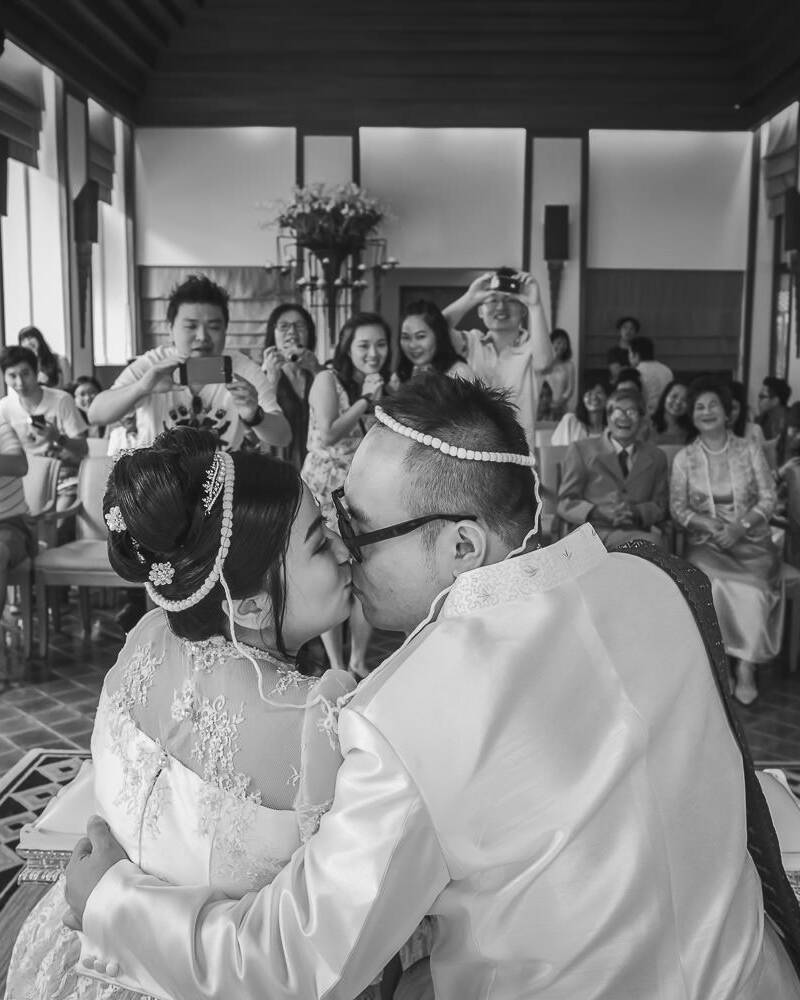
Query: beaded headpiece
{"points": [[465, 454], [219, 478]]}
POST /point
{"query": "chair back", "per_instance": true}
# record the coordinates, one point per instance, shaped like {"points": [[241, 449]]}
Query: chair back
{"points": [[670, 450], [548, 462], [40, 483], [92, 478]]}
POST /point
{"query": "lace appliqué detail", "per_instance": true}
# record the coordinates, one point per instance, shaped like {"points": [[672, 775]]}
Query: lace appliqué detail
{"points": [[290, 679], [141, 764], [309, 818], [328, 723]]}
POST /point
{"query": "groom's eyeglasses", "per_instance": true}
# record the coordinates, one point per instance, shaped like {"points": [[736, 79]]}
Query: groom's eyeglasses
{"points": [[354, 542]]}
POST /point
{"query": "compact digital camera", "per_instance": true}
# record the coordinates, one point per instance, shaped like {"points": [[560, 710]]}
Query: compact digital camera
{"points": [[506, 280]]}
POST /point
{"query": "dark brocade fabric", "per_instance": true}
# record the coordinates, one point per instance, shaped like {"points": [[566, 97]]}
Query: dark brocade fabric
{"points": [[780, 901]]}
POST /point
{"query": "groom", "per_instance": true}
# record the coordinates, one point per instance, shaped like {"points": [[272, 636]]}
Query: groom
{"points": [[547, 765]]}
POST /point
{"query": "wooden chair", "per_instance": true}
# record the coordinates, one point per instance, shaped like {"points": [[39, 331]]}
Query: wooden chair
{"points": [[39, 485], [548, 467], [84, 562]]}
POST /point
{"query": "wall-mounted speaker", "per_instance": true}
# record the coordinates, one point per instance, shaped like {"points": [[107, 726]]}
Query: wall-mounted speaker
{"points": [[791, 220], [556, 232]]}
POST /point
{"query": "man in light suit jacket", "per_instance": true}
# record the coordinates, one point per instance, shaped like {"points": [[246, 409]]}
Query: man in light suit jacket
{"points": [[616, 483]]}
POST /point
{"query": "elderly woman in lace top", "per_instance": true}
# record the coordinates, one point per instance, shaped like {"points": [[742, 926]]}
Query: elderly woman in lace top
{"points": [[723, 493], [214, 758]]}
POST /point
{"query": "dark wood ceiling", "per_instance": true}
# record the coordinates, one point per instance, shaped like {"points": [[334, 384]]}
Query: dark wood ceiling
{"points": [[552, 65]]}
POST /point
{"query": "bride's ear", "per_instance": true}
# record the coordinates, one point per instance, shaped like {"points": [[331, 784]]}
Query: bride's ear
{"points": [[251, 612]]}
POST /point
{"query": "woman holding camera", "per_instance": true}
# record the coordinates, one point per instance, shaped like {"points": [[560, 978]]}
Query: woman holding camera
{"points": [[341, 402], [290, 362]]}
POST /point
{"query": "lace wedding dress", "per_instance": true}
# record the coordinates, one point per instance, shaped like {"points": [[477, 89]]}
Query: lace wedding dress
{"points": [[202, 780]]}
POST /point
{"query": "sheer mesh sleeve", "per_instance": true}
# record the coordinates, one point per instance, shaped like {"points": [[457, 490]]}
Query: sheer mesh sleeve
{"points": [[320, 756]]}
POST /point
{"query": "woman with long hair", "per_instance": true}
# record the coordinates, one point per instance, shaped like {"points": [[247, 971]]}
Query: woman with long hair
{"points": [[670, 420], [53, 370], [341, 402], [560, 374], [214, 757], [589, 418], [426, 345], [723, 493], [290, 362]]}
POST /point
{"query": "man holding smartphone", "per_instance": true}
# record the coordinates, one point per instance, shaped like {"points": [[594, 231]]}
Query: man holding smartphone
{"points": [[194, 381]]}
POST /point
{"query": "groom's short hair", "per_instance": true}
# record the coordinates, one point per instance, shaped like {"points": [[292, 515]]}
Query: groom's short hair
{"points": [[467, 415]]}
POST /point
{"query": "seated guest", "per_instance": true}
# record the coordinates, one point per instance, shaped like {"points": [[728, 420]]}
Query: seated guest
{"points": [[53, 369], [588, 420], [83, 390], [723, 493], [655, 375], [616, 359], [425, 344], [628, 327], [197, 314], [291, 364], [615, 482], [739, 421], [671, 423], [560, 375], [45, 420], [772, 402]]}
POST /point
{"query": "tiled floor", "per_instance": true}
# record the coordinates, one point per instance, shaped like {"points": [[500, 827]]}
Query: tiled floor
{"points": [[53, 706]]}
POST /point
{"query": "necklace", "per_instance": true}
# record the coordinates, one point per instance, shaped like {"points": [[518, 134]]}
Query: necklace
{"points": [[718, 451]]}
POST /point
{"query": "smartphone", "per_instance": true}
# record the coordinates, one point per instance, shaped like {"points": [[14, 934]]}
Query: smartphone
{"points": [[39, 420], [205, 371]]}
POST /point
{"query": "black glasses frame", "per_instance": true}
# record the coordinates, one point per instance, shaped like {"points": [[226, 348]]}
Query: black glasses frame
{"points": [[354, 542]]}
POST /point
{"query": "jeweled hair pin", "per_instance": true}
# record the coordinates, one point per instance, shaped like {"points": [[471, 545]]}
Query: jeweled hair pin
{"points": [[215, 480]]}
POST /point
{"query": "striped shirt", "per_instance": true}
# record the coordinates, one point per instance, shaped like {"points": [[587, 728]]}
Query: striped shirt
{"points": [[12, 496]]}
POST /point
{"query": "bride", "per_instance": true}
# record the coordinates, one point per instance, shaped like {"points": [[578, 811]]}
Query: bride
{"points": [[214, 758]]}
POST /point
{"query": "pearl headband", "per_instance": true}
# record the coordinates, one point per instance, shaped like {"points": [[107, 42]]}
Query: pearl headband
{"points": [[466, 454], [221, 469]]}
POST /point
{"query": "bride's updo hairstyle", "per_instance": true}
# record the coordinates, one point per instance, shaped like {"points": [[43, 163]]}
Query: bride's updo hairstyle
{"points": [[160, 495]]}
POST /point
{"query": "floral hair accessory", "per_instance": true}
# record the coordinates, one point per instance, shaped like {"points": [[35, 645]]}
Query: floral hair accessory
{"points": [[115, 520], [161, 573]]}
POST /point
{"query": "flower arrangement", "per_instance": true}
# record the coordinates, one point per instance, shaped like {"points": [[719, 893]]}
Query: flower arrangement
{"points": [[331, 219]]}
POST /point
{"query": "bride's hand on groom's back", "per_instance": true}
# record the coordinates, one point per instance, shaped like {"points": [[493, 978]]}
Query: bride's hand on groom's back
{"points": [[94, 854]]}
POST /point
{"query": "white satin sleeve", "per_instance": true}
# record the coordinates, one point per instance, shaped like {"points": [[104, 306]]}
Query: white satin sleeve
{"points": [[325, 927]]}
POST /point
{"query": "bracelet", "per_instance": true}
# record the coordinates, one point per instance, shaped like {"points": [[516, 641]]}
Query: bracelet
{"points": [[370, 403], [256, 419]]}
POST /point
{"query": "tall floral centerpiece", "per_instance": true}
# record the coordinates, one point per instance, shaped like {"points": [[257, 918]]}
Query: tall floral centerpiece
{"points": [[333, 223]]}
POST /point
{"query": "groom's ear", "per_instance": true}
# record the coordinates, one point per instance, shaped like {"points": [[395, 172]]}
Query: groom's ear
{"points": [[250, 612], [470, 546]]}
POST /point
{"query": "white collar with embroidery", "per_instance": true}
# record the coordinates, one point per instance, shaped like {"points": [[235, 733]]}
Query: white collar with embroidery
{"points": [[521, 573]]}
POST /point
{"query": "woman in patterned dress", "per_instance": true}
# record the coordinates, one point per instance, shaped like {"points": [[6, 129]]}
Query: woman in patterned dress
{"points": [[342, 399], [213, 759]]}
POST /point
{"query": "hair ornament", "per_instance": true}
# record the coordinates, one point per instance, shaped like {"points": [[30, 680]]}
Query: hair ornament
{"points": [[226, 531], [161, 573], [468, 454], [115, 520], [214, 482]]}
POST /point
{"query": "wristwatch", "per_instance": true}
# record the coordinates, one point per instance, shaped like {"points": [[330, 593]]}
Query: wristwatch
{"points": [[370, 403], [256, 419]]}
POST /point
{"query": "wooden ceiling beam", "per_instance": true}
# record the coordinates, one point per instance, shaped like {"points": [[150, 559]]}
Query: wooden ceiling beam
{"points": [[100, 17]]}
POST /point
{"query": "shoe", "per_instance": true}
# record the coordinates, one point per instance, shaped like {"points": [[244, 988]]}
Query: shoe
{"points": [[746, 695]]}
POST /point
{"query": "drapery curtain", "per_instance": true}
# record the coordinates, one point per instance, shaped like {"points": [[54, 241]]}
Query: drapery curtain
{"points": [[21, 103], [780, 159]]}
